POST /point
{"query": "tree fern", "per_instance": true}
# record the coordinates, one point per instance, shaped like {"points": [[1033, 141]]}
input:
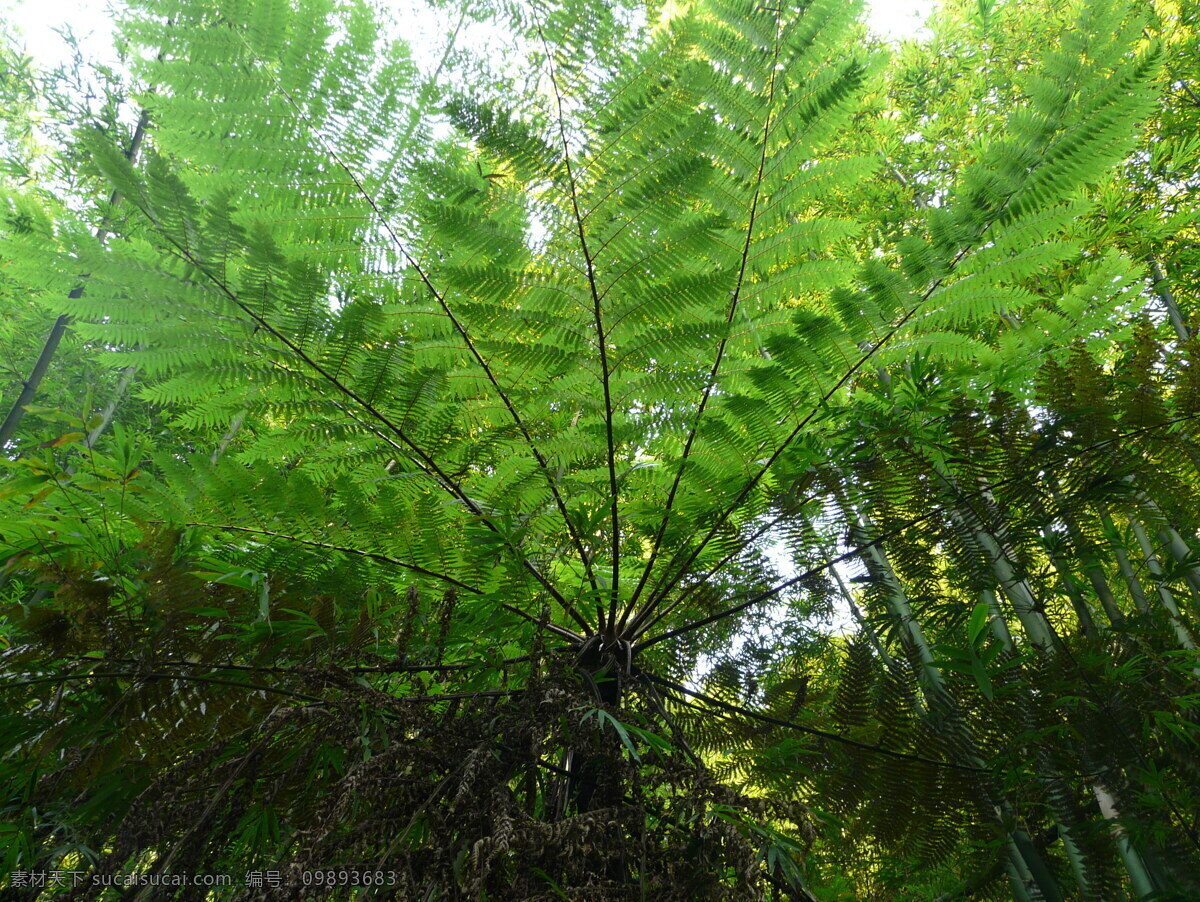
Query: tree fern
{"points": [[489, 465]]}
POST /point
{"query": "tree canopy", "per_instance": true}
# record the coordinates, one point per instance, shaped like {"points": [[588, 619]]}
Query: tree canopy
{"points": [[628, 451]]}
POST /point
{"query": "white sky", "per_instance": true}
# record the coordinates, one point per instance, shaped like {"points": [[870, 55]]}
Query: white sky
{"points": [[36, 22]]}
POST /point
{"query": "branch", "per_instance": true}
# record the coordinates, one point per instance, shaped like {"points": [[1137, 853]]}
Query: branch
{"points": [[155, 675], [389, 668], [252, 687]]}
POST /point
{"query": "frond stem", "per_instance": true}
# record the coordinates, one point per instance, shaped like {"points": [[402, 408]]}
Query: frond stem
{"points": [[669, 583], [729, 316], [891, 533], [560, 503], [371, 555], [614, 589], [812, 731], [426, 463]]}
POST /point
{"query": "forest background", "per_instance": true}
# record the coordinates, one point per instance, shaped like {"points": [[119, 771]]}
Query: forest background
{"points": [[635, 451]]}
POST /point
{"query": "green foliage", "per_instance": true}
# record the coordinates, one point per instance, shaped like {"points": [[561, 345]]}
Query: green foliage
{"points": [[449, 471]]}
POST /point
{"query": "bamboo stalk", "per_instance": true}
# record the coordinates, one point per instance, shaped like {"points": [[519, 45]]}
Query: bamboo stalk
{"points": [[863, 624], [882, 571], [228, 437], [1179, 549], [1175, 544], [1036, 627], [29, 388], [1139, 877], [1078, 602], [1164, 594], [1088, 556], [1159, 284], [1025, 867], [1126, 568], [998, 624], [1020, 593], [1074, 855], [1019, 877], [111, 407]]}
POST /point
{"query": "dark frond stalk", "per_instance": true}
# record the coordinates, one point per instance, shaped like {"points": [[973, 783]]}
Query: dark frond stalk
{"points": [[440, 297], [661, 709], [358, 552], [659, 616], [393, 667], [675, 574], [411, 450], [729, 316], [138, 676], [557, 630], [678, 573], [812, 731], [638, 627], [601, 340]]}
